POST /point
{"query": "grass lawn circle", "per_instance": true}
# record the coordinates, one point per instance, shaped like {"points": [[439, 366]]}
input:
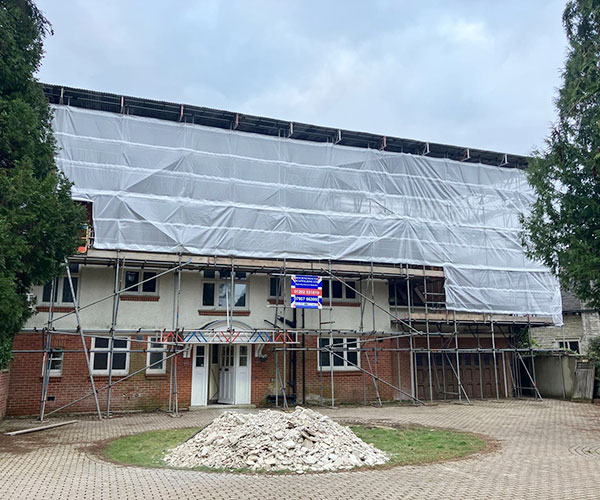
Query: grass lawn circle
{"points": [[408, 445]]}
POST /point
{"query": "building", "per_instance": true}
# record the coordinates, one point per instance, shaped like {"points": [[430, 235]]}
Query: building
{"points": [[580, 325], [198, 219]]}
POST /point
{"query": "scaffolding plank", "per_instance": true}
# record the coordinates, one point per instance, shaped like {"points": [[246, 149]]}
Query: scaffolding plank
{"points": [[40, 428]]}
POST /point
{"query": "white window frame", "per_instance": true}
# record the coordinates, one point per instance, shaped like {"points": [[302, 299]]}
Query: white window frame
{"points": [[564, 344], [54, 372], [115, 351], [139, 290], [153, 370], [343, 298], [217, 280], [346, 367], [62, 282]]}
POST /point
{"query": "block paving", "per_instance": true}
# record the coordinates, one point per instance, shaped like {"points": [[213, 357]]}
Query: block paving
{"points": [[548, 449]]}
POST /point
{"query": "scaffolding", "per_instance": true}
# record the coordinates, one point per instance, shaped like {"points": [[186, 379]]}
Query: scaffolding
{"points": [[384, 198], [436, 342]]}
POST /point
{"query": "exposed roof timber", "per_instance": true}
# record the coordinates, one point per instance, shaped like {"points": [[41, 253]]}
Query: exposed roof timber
{"points": [[114, 103]]}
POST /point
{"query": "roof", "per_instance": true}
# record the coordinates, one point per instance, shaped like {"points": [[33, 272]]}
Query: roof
{"points": [[105, 101]]}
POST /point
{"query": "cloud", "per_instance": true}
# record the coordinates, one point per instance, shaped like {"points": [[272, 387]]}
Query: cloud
{"points": [[477, 74], [462, 31]]}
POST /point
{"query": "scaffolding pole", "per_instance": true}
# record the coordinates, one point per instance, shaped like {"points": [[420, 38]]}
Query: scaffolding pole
{"points": [[331, 337], [127, 377], [85, 349], [495, 359], [113, 325], [284, 382], [47, 352], [427, 333]]}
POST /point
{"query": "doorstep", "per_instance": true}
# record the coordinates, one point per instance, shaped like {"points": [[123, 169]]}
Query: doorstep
{"points": [[221, 407]]}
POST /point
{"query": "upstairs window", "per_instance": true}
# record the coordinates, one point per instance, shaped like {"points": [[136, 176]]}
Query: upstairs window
{"points": [[571, 345], [141, 282], [339, 290], [275, 287], [62, 288], [417, 293], [217, 290]]}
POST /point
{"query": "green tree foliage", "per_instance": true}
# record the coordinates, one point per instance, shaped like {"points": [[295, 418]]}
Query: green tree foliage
{"points": [[593, 353], [563, 229], [39, 222]]}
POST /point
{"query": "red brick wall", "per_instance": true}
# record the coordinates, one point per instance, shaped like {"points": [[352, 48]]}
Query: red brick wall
{"points": [[138, 392], [4, 380], [149, 392], [349, 386]]}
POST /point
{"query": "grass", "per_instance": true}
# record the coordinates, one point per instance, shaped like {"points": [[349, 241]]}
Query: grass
{"points": [[147, 448], [405, 446], [418, 445]]}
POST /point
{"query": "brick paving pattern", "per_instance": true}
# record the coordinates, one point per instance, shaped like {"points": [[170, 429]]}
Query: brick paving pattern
{"points": [[548, 449]]}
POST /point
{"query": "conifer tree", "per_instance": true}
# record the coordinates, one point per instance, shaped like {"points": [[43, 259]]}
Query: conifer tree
{"points": [[563, 228], [39, 223]]}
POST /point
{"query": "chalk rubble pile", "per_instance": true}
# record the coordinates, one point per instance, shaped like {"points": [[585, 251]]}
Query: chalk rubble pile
{"points": [[272, 440]]}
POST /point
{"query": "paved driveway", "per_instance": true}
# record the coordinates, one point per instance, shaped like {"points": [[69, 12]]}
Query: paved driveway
{"points": [[549, 449]]}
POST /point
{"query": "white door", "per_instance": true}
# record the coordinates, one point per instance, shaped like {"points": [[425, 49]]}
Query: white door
{"points": [[199, 379], [243, 369], [226, 374]]}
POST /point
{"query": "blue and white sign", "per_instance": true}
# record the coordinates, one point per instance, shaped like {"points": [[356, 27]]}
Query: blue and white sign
{"points": [[306, 292]]}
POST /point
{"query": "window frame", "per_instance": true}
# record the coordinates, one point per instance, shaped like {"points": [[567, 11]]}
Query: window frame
{"points": [[328, 297], [561, 345], [139, 291], [61, 283], [116, 350], [153, 350], [225, 280], [346, 367], [53, 372]]}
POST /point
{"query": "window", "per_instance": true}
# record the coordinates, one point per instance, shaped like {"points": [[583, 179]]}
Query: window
{"points": [[347, 349], [101, 352], [155, 358], [243, 355], [340, 291], [56, 362], [138, 281], [217, 292], [571, 345], [275, 287], [62, 288], [200, 357], [435, 297]]}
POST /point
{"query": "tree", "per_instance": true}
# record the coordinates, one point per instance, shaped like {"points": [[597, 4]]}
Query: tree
{"points": [[39, 223], [563, 228]]}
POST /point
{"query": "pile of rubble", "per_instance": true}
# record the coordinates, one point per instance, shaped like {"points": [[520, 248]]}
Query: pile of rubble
{"points": [[272, 440]]}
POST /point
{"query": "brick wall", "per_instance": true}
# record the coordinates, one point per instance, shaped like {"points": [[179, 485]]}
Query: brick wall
{"points": [[148, 392], [141, 391], [4, 381]]}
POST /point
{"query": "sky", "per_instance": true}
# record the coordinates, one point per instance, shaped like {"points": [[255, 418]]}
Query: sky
{"points": [[479, 74]]}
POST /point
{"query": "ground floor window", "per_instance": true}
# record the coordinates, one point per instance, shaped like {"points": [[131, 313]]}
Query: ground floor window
{"points": [[346, 357], [101, 354], [155, 359], [55, 358]]}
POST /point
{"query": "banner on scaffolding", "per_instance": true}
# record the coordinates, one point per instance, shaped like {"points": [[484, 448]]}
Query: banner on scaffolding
{"points": [[306, 292]]}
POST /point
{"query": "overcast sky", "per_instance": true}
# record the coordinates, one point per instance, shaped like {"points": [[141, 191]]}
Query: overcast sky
{"points": [[474, 73]]}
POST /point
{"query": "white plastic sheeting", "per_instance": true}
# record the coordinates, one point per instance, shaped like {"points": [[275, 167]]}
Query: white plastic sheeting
{"points": [[163, 186]]}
